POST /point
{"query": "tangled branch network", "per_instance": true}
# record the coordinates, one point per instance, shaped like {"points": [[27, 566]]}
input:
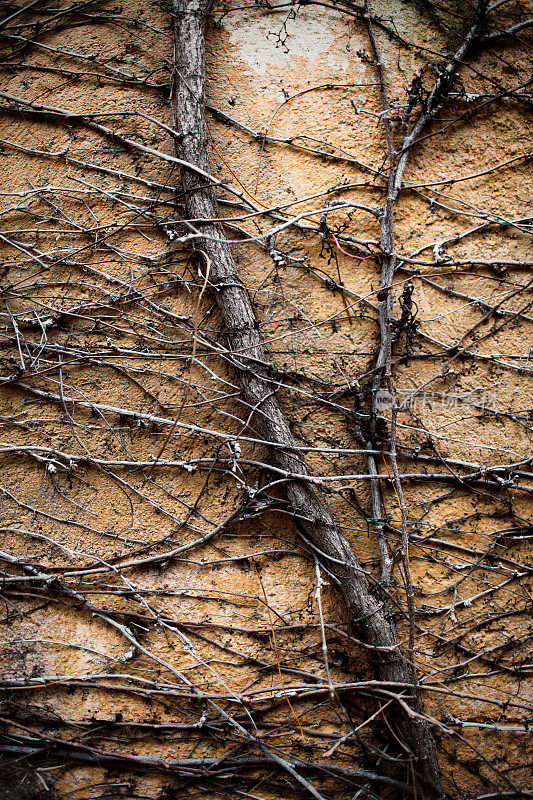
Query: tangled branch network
{"points": [[265, 399]]}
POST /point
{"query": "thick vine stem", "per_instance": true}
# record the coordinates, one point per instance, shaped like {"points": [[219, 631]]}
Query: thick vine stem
{"points": [[244, 340]]}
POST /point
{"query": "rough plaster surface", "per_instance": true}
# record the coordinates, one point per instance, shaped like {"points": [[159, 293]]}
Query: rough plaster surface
{"points": [[266, 49], [264, 82]]}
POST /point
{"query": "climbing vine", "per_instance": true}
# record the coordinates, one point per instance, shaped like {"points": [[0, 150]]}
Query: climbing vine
{"points": [[265, 400]]}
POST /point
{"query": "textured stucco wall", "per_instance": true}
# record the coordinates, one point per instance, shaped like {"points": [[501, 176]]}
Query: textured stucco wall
{"points": [[308, 79]]}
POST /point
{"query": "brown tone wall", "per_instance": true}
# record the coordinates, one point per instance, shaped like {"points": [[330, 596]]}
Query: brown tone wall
{"points": [[144, 606]]}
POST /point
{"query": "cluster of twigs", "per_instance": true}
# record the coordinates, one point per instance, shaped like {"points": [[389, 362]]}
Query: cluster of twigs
{"points": [[199, 464]]}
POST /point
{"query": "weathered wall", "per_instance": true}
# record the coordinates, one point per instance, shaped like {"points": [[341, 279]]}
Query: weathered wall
{"points": [[135, 599]]}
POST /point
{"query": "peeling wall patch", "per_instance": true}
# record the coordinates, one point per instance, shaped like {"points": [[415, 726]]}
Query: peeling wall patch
{"points": [[274, 40]]}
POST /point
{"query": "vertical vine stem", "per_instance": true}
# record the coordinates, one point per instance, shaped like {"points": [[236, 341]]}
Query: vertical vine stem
{"points": [[244, 340], [397, 162]]}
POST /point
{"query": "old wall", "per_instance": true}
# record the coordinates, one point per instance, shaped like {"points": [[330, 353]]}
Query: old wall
{"points": [[158, 614]]}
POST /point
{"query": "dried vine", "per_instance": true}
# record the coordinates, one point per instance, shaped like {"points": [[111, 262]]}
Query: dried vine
{"points": [[226, 407]]}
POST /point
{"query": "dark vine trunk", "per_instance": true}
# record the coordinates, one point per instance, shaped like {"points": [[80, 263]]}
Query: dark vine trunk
{"points": [[244, 340]]}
